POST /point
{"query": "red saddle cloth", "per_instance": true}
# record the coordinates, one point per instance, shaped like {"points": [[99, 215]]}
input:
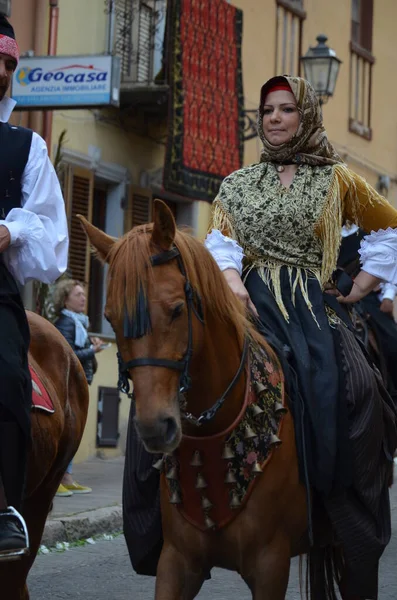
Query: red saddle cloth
{"points": [[40, 398]]}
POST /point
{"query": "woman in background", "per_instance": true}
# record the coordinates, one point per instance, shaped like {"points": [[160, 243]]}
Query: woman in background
{"points": [[72, 322]]}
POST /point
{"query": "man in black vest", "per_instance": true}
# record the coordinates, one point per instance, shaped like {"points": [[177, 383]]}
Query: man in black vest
{"points": [[376, 308], [33, 245]]}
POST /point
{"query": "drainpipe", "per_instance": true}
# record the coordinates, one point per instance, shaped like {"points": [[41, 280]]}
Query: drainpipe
{"points": [[110, 27], [52, 50]]}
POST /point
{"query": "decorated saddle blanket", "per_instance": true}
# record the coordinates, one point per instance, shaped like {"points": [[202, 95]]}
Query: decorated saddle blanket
{"points": [[211, 478], [41, 399]]}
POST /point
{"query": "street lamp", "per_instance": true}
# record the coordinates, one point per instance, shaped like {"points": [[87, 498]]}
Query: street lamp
{"points": [[321, 66]]}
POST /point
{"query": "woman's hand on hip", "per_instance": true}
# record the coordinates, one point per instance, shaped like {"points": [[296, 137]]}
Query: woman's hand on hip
{"points": [[236, 285]]}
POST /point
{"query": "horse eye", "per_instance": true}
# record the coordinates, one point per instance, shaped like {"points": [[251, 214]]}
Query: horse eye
{"points": [[177, 311]]}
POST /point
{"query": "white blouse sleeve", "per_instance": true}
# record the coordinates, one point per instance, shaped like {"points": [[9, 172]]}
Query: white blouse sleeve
{"points": [[38, 230], [388, 291], [378, 254], [226, 251]]}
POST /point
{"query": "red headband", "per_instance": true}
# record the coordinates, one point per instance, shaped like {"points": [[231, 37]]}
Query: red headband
{"points": [[9, 46], [277, 87]]}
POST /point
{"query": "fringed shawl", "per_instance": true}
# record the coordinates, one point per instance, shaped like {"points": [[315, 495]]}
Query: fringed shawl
{"points": [[299, 228]]}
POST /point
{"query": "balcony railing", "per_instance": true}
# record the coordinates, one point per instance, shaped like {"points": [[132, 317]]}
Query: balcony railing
{"points": [[137, 36]]}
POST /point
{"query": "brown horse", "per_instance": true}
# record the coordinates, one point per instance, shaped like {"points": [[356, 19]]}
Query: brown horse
{"points": [[149, 269], [55, 440]]}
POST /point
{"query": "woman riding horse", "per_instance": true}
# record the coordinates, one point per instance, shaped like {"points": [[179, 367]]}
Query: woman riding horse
{"points": [[277, 224], [276, 232]]}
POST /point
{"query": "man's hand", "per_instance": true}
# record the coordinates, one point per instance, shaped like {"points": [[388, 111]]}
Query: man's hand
{"points": [[363, 284], [5, 238], [386, 306]]}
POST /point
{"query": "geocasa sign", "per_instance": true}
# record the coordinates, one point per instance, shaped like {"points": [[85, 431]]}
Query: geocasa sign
{"points": [[66, 81]]}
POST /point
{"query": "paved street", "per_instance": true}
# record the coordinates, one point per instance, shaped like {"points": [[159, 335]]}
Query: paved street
{"points": [[102, 572]]}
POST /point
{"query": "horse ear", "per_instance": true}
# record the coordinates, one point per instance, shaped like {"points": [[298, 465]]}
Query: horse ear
{"points": [[99, 240], [164, 228]]}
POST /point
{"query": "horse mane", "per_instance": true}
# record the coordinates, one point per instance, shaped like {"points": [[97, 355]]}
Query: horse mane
{"points": [[130, 270]]}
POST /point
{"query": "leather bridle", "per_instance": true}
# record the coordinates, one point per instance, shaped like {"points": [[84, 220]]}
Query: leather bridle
{"points": [[193, 303]]}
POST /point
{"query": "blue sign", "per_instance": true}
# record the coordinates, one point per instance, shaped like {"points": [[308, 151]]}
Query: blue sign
{"points": [[66, 81]]}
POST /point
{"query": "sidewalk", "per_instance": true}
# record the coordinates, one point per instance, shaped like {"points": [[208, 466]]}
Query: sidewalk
{"points": [[84, 515]]}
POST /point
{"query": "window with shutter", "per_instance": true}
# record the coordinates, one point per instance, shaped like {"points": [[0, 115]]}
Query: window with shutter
{"points": [[145, 44], [361, 64], [79, 198], [289, 31], [139, 38], [139, 210]]}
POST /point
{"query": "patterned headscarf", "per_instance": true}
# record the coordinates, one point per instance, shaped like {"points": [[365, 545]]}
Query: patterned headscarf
{"points": [[310, 144], [8, 44]]}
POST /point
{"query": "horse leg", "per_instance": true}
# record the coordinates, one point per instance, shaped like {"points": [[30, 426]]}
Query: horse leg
{"points": [[176, 578], [13, 575], [269, 579]]}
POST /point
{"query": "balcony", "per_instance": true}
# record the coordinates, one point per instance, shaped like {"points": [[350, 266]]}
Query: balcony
{"points": [[137, 32]]}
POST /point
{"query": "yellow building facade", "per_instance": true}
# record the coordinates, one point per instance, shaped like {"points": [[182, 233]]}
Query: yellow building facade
{"points": [[113, 158]]}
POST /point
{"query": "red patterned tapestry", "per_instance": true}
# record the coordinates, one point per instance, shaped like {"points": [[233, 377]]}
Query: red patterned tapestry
{"points": [[206, 122]]}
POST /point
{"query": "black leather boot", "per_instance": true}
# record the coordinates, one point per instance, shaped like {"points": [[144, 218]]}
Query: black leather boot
{"points": [[13, 538], [13, 458]]}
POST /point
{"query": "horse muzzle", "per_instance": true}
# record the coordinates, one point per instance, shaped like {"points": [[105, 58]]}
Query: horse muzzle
{"points": [[159, 435]]}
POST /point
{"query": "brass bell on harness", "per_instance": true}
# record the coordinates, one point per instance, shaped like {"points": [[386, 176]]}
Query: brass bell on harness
{"points": [[205, 503], [256, 410], [275, 440], [158, 465], [227, 453], [279, 408], [200, 482], [249, 432], [235, 501], [172, 473], [209, 523], [259, 388], [256, 468], [175, 498], [196, 460], [230, 477]]}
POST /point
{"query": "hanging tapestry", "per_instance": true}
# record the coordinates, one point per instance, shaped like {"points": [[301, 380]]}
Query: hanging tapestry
{"points": [[206, 121]]}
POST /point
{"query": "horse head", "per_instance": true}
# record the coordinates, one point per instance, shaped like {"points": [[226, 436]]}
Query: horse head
{"points": [[151, 308]]}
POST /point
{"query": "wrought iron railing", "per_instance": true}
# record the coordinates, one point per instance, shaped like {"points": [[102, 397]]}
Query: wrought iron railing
{"points": [[138, 29]]}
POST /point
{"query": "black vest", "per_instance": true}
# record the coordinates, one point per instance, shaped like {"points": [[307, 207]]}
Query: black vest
{"points": [[15, 143], [349, 248]]}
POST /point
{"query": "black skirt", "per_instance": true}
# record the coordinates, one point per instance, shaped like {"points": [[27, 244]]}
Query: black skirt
{"points": [[345, 421]]}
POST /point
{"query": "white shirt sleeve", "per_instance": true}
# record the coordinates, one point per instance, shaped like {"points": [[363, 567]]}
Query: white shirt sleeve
{"points": [[387, 291], [38, 230], [226, 251], [378, 254]]}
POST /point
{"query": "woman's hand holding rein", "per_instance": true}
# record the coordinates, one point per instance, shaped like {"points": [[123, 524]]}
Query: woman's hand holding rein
{"points": [[236, 285]]}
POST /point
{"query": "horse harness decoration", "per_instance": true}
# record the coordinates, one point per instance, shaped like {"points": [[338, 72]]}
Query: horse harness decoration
{"points": [[141, 326], [211, 478]]}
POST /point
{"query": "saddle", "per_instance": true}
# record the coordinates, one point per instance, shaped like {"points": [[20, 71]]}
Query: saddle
{"points": [[41, 399]]}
